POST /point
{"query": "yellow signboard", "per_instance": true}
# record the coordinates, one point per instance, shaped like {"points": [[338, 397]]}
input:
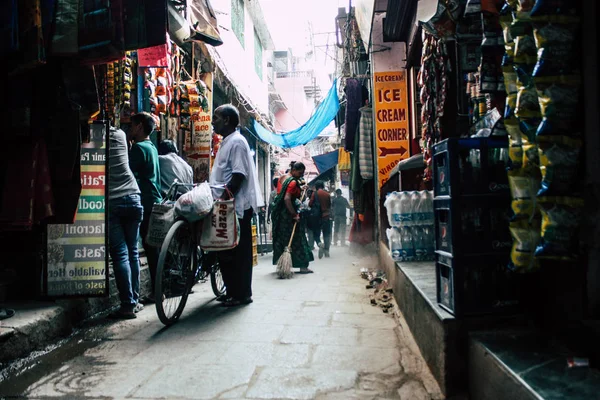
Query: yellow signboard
{"points": [[390, 98]]}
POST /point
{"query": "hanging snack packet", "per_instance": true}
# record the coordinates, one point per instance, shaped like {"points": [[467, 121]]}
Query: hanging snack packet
{"points": [[525, 49], [559, 165], [492, 7], [561, 218], [473, 7], [526, 238], [559, 98], [559, 49], [527, 103], [523, 189], [563, 11], [524, 8]]}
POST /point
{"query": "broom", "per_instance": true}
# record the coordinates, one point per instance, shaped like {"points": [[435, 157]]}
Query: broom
{"points": [[284, 264]]}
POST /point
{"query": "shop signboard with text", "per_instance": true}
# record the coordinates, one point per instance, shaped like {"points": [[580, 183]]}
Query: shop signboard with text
{"points": [[198, 146], [77, 254], [391, 121]]}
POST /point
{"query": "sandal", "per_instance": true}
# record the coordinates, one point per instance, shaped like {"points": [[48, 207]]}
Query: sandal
{"points": [[237, 302], [6, 313], [305, 271], [223, 298]]}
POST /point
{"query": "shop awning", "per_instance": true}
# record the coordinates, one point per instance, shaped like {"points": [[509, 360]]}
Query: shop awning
{"points": [[324, 176], [399, 18], [321, 118], [201, 25], [414, 162], [326, 161]]}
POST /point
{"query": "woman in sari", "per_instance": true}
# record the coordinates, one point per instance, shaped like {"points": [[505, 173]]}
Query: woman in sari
{"points": [[285, 214]]}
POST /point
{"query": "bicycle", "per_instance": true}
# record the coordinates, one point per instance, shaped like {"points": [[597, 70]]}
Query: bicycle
{"points": [[182, 264]]}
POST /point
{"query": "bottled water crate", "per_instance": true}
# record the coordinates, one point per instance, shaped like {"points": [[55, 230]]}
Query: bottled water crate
{"points": [[473, 166], [476, 285], [473, 225]]}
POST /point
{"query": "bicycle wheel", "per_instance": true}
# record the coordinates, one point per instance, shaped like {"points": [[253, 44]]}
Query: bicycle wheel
{"points": [[176, 264], [216, 279]]}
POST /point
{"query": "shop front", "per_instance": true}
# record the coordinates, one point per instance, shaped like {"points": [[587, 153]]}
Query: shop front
{"points": [[90, 71], [483, 187]]}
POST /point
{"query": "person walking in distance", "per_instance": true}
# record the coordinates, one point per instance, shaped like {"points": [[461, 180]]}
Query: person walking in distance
{"points": [[324, 200], [234, 169], [125, 214], [285, 216], [272, 197], [339, 205], [143, 161]]}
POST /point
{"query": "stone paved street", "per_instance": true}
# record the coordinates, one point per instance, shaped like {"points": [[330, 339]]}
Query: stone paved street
{"points": [[312, 337]]}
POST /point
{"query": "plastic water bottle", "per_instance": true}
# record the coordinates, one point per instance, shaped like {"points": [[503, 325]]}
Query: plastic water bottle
{"points": [[415, 202], [428, 207], [408, 249], [419, 243], [388, 204], [429, 241], [398, 216], [395, 245], [406, 209]]}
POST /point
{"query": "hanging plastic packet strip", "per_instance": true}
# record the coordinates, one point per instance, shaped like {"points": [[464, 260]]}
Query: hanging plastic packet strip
{"points": [[524, 8], [559, 98], [506, 20], [561, 219], [526, 237], [560, 165], [523, 189], [491, 7], [473, 7], [525, 49], [508, 71], [183, 90], [561, 11], [528, 105], [559, 49], [515, 147]]}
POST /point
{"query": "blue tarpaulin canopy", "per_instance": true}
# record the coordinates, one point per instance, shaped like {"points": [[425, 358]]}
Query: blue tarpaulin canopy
{"points": [[326, 161], [323, 115]]}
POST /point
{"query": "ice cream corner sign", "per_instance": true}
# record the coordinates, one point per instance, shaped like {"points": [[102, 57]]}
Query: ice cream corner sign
{"points": [[390, 99]]}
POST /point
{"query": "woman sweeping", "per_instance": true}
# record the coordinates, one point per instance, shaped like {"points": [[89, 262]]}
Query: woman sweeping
{"points": [[285, 214]]}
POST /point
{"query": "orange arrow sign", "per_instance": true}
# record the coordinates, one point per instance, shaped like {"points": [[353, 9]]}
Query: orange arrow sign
{"points": [[384, 151]]}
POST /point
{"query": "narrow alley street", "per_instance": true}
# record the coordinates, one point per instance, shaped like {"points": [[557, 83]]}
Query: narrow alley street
{"points": [[312, 337]]}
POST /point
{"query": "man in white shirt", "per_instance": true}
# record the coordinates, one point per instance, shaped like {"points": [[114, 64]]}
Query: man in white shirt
{"points": [[234, 168]]}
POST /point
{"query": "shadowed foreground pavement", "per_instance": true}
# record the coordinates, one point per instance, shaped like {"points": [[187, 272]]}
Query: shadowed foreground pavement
{"points": [[315, 336]]}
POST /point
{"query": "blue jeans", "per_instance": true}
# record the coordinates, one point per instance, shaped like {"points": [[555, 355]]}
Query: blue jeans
{"points": [[125, 216]]}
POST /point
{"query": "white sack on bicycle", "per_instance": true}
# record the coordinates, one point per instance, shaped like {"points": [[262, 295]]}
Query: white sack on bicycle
{"points": [[221, 230], [195, 204]]}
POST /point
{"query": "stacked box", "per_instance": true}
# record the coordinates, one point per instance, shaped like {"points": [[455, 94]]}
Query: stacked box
{"points": [[472, 214], [254, 246]]}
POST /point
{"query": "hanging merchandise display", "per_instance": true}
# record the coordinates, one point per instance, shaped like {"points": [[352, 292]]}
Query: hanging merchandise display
{"points": [[433, 81], [542, 72]]}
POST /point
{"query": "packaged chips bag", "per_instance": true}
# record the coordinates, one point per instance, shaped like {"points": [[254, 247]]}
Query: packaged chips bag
{"points": [[561, 219], [559, 49], [526, 238], [523, 189], [560, 165], [559, 97], [562, 11]]}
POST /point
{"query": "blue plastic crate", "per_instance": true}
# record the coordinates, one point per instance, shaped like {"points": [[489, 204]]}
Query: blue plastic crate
{"points": [[473, 224], [477, 285], [470, 167]]}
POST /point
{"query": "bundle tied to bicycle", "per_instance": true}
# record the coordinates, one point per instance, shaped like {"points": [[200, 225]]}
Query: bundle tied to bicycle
{"points": [[220, 228]]}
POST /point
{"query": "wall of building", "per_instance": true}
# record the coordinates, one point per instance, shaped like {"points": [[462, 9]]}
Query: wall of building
{"points": [[237, 60]]}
